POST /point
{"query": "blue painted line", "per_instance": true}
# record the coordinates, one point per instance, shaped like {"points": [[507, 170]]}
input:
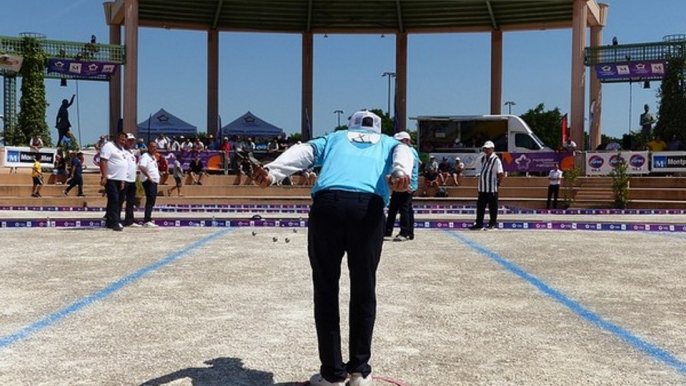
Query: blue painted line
{"points": [[638, 343], [55, 317]]}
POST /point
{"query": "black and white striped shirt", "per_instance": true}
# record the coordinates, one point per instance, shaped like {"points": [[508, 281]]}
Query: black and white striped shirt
{"points": [[488, 178]]}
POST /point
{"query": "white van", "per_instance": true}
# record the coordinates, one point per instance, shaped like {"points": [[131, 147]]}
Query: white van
{"points": [[509, 133], [463, 135]]}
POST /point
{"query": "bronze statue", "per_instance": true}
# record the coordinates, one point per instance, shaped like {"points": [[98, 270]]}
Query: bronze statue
{"points": [[647, 121], [62, 125]]}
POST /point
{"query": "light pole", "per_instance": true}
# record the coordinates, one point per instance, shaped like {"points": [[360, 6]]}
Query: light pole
{"points": [[338, 112], [389, 75], [509, 105]]}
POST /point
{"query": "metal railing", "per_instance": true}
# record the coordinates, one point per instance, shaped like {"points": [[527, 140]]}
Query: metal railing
{"points": [[68, 50], [635, 52]]}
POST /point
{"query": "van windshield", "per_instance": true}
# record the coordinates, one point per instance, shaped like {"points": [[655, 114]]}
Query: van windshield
{"points": [[436, 136]]}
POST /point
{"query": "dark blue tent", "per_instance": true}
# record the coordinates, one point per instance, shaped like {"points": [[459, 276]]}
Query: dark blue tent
{"points": [[163, 122], [249, 125]]}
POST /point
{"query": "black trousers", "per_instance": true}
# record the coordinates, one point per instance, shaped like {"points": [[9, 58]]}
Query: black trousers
{"points": [[128, 195], [401, 202], [345, 222], [77, 180], [150, 198], [490, 199], [553, 191], [115, 194]]}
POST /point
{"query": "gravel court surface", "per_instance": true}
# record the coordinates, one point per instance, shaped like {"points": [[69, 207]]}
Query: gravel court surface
{"points": [[447, 315]]}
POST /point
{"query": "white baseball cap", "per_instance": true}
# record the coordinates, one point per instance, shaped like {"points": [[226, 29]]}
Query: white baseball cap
{"points": [[365, 120], [401, 135], [488, 145], [130, 136]]}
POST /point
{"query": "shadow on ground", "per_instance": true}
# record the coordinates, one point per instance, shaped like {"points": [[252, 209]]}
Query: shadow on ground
{"points": [[220, 372]]}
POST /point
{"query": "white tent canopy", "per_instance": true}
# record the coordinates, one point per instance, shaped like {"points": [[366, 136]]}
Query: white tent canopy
{"points": [[249, 125], [163, 122]]}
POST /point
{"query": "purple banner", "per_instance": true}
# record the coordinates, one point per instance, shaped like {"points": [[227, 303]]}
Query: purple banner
{"points": [[211, 159], [536, 162], [81, 68], [644, 70]]}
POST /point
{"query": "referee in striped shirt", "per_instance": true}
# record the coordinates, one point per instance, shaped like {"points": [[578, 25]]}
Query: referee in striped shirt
{"points": [[490, 178]]}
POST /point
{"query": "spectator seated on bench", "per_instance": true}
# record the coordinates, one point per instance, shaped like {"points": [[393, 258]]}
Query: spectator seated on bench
{"points": [[197, 170], [430, 179]]}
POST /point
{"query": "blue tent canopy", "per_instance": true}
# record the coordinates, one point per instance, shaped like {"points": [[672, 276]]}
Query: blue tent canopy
{"points": [[163, 122], [249, 125]]}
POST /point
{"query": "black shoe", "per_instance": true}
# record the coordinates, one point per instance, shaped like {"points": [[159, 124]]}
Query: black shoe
{"points": [[411, 237], [476, 227], [492, 227], [118, 228], [80, 195]]}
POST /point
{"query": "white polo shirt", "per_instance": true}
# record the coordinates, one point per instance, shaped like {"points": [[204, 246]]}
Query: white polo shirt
{"points": [[150, 164], [556, 176], [116, 161], [131, 167]]}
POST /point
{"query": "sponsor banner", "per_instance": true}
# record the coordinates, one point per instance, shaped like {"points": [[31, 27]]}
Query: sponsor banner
{"points": [[536, 162], [23, 157], [81, 68], [643, 70], [602, 163], [304, 209], [471, 160], [11, 62], [281, 223], [669, 161], [212, 159]]}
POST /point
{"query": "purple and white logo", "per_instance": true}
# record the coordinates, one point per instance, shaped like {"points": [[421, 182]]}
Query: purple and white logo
{"points": [[596, 161], [637, 160], [615, 160]]}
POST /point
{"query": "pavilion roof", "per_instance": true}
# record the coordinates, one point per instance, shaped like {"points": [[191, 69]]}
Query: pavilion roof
{"points": [[356, 16]]}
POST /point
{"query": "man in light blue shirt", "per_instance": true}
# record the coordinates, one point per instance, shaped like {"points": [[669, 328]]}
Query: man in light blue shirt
{"points": [[347, 216]]}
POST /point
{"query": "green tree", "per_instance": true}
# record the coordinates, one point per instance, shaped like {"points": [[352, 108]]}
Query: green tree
{"points": [[295, 137], [545, 124], [32, 104], [672, 111], [620, 183]]}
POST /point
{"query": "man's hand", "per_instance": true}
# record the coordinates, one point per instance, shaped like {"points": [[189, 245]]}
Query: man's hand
{"points": [[399, 184], [261, 177]]}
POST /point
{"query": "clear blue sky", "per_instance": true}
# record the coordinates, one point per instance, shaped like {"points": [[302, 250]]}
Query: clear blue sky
{"points": [[447, 73]]}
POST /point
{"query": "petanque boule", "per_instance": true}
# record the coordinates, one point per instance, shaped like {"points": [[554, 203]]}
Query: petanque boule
{"points": [[397, 174]]}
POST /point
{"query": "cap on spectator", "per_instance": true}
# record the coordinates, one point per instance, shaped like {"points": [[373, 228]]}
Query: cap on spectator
{"points": [[488, 145], [365, 120], [457, 158], [182, 137], [130, 136], [141, 140], [401, 135], [432, 157]]}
